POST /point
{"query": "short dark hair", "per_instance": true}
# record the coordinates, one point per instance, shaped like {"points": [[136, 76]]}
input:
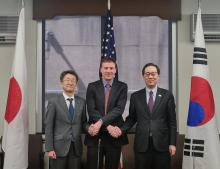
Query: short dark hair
{"points": [[64, 73], [108, 59], [151, 64]]}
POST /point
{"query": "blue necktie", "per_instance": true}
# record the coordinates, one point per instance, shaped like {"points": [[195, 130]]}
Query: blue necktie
{"points": [[151, 101], [71, 108]]}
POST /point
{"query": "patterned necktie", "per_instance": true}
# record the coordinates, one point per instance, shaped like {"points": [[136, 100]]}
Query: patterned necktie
{"points": [[71, 108], [151, 101], [107, 93]]}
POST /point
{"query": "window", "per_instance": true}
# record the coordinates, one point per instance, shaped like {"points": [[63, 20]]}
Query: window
{"points": [[75, 43]]}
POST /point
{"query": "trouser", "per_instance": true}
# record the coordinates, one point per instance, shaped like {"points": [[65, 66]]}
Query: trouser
{"points": [[71, 161], [109, 157], [152, 159]]}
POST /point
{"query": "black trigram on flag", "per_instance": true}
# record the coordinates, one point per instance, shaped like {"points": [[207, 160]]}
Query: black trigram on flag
{"points": [[193, 147], [200, 56]]}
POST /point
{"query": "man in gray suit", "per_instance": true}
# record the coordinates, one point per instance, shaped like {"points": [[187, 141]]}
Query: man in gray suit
{"points": [[65, 118], [153, 109]]}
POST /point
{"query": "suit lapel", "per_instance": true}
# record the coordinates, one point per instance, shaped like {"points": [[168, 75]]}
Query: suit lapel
{"points": [[62, 103], [76, 105], [101, 92], [76, 109], [159, 96], [112, 93], [143, 100]]}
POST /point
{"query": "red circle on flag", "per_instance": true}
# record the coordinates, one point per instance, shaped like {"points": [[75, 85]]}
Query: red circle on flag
{"points": [[14, 100], [201, 93]]}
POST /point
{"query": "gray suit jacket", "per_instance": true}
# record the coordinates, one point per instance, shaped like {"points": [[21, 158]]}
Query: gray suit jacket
{"points": [[60, 130], [161, 122]]}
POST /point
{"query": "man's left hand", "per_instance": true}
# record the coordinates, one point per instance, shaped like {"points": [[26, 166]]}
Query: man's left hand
{"points": [[172, 150]]}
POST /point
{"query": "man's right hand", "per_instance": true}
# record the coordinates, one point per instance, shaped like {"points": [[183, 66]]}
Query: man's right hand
{"points": [[94, 128], [52, 155], [91, 130]]}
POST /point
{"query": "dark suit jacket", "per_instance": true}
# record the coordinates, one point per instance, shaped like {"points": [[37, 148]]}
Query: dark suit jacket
{"points": [[161, 122], [60, 130], [95, 99]]}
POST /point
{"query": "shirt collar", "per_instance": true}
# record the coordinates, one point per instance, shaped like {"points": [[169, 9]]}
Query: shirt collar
{"points": [[67, 97], [105, 82], [154, 90]]}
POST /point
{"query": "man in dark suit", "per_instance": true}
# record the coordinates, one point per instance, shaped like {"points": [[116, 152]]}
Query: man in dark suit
{"points": [[153, 109], [106, 100], [65, 118]]}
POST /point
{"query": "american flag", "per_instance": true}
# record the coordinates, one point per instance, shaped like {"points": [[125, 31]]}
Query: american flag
{"points": [[108, 40], [108, 50]]}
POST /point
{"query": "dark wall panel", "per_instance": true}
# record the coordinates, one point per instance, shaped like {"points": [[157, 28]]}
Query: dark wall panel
{"points": [[166, 9]]}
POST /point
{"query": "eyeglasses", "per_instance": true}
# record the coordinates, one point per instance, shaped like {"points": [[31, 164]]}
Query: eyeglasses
{"points": [[70, 80], [148, 74]]}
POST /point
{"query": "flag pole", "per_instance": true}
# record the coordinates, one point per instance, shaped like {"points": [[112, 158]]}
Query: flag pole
{"points": [[22, 2], [109, 4], [193, 147], [199, 3]]}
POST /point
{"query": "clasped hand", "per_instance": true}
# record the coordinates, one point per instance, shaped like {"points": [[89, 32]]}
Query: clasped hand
{"points": [[114, 131], [94, 128]]}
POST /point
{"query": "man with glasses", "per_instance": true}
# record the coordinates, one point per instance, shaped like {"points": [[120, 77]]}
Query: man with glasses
{"points": [[153, 109], [65, 118]]}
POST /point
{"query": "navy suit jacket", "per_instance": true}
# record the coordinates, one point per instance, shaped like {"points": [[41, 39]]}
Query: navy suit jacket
{"points": [[95, 99]]}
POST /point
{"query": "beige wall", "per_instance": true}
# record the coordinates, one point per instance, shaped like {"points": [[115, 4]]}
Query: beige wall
{"points": [[184, 59]]}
